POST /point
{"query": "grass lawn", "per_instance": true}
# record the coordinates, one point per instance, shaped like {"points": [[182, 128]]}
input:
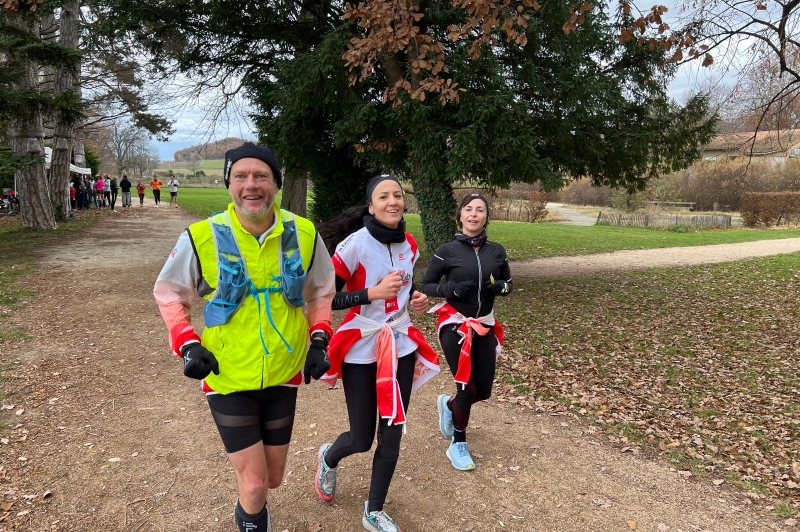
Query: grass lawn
{"points": [[696, 364], [209, 166], [525, 241]]}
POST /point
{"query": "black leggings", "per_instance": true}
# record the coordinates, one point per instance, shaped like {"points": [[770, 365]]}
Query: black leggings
{"points": [[358, 381], [157, 196], [141, 199], [479, 387]]}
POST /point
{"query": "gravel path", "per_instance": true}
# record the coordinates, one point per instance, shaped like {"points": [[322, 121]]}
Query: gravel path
{"points": [[641, 259], [571, 217]]}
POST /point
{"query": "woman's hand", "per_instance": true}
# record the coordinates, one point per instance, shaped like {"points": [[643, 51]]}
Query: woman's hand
{"points": [[387, 288], [419, 301]]}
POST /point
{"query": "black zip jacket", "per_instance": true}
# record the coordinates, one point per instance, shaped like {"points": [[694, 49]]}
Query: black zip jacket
{"points": [[458, 261]]}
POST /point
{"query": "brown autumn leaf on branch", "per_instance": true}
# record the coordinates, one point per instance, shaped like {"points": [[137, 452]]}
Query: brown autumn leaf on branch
{"points": [[13, 5], [393, 30]]}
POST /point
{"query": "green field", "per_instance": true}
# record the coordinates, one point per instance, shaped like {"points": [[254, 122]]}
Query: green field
{"points": [[209, 166], [666, 357], [525, 241]]}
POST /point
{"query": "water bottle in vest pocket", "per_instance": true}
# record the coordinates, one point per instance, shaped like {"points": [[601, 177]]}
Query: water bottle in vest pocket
{"points": [[293, 278], [231, 291]]}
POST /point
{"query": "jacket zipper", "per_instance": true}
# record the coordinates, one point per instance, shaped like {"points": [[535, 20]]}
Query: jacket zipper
{"points": [[391, 258], [480, 280]]}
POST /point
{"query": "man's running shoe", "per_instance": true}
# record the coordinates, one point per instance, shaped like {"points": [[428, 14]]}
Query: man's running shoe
{"points": [[325, 481], [445, 416], [378, 521], [458, 453]]}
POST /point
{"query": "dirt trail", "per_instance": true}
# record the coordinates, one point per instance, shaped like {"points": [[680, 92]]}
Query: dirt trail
{"points": [[122, 441]]}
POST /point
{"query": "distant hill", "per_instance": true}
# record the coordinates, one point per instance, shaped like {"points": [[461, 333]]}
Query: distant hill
{"points": [[212, 150]]}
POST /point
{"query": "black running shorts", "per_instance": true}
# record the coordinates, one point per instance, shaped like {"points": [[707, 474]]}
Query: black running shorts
{"points": [[245, 418]]}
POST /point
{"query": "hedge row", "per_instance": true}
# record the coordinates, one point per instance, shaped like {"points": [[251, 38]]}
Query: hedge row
{"points": [[770, 208]]}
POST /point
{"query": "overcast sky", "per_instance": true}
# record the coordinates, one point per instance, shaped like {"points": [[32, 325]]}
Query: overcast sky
{"points": [[191, 131]]}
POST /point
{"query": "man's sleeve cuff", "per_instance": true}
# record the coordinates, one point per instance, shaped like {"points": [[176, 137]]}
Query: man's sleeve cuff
{"points": [[321, 326], [180, 335]]}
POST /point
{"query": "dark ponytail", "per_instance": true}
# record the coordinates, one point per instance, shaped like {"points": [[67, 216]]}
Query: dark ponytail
{"points": [[335, 230]]}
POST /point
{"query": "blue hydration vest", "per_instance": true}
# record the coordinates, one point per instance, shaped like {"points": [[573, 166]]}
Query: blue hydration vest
{"points": [[234, 283]]}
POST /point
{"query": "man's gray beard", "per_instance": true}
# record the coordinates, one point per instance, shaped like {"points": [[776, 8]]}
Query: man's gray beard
{"points": [[257, 215]]}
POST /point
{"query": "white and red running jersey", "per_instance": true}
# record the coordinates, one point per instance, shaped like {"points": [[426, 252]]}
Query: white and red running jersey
{"points": [[362, 261]]}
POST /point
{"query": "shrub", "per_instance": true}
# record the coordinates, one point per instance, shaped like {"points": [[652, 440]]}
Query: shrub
{"points": [[582, 192], [770, 208]]}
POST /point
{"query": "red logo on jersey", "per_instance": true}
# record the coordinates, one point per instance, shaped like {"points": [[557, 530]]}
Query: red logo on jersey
{"points": [[400, 256], [390, 305]]}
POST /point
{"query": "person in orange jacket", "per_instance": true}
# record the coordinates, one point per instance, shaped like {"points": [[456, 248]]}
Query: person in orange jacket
{"points": [[155, 186]]}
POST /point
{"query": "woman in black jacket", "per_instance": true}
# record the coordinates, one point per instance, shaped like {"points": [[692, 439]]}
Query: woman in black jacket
{"points": [[114, 192], [475, 271]]}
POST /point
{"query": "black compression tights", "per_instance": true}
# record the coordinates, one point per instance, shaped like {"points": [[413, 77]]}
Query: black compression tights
{"points": [[479, 387], [358, 381]]}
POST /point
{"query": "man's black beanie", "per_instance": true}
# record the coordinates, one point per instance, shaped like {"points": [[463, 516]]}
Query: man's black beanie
{"points": [[248, 149]]}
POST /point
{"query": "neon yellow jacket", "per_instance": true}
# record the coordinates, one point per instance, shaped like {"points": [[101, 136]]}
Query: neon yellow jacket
{"points": [[237, 344]]}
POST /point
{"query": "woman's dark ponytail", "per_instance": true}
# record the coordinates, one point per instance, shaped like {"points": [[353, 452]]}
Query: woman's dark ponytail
{"points": [[335, 230]]}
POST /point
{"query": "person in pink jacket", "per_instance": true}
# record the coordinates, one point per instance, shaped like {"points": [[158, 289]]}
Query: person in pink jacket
{"points": [[99, 185]]}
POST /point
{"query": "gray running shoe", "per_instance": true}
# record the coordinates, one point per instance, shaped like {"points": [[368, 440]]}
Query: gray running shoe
{"points": [[378, 521], [325, 481]]}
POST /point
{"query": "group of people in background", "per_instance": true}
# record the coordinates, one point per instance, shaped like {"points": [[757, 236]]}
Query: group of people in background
{"points": [[271, 345], [85, 191], [102, 193]]}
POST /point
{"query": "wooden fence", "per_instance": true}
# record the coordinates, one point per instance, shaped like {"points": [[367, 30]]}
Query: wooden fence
{"points": [[663, 220]]}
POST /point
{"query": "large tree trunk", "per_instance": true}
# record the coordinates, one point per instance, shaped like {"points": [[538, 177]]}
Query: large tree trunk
{"points": [[295, 188], [79, 154], [436, 207], [27, 140], [63, 83]]}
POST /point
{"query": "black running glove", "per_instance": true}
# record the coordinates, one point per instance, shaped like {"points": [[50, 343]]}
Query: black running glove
{"points": [[500, 288], [198, 362], [464, 289], [317, 358]]}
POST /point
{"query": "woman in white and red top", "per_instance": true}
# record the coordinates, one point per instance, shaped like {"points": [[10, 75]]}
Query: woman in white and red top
{"points": [[379, 355], [475, 271]]}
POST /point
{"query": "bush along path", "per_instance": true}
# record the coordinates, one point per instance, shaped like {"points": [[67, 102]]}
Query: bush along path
{"points": [[102, 431]]}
